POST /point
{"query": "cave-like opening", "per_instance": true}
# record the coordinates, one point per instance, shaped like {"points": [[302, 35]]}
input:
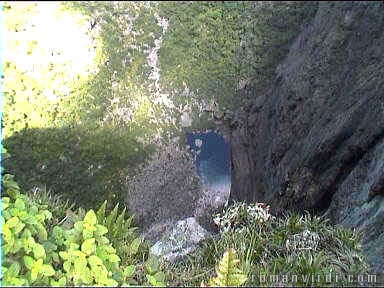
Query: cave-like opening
{"points": [[212, 157]]}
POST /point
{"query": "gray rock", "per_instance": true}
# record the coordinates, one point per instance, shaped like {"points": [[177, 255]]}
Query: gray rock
{"points": [[179, 239], [314, 141]]}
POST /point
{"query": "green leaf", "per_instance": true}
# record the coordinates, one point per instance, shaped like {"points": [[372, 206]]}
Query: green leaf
{"points": [[89, 246], [38, 251], [67, 266], [160, 276], [29, 262], [103, 240], [57, 232], [47, 214], [93, 260], [90, 218], [101, 230], [19, 227], [118, 226], [42, 233], [152, 280], [80, 264], [85, 276], [13, 222], [112, 216], [49, 247], [79, 226], [19, 204], [87, 234], [62, 281], [113, 258], [36, 269], [14, 269], [152, 265], [55, 257], [63, 255], [47, 270], [128, 271], [100, 214], [134, 247], [228, 274]]}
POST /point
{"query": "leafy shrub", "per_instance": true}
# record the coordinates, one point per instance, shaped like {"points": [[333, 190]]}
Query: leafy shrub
{"points": [[24, 236], [154, 276], [82, 164], [123, 234], [55, 202], [36, 252]]}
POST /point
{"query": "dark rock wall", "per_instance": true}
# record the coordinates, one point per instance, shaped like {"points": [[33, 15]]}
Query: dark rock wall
{"points": [[315, 139]]}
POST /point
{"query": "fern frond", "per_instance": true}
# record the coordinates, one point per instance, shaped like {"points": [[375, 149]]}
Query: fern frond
{"points": [[228, 273]]}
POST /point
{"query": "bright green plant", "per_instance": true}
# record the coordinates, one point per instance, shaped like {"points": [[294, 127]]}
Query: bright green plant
{"points": [[89, 258], [24, 237], [154, 275], [122, 233], [228, 273], [80, 255]]}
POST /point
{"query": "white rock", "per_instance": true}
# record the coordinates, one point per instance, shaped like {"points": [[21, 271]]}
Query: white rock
{"points": [[179, 240]]}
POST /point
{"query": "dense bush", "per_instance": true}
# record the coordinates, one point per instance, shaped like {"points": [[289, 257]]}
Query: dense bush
{"points": [[211, 47], [82, 165], [79, 136], [39, 251]]}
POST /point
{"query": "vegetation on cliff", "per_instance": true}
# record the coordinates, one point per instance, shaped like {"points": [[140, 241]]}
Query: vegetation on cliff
{"points": [[98, 99]]}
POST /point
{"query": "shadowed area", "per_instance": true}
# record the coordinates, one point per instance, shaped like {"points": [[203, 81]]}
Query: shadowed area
{"points": [[212, 156]]}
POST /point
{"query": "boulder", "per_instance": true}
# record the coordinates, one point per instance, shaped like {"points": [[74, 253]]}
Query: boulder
{"points": [[177, 239]]}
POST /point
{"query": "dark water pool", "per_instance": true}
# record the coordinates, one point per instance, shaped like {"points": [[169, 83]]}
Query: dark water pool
{"points": [[213, 159]]}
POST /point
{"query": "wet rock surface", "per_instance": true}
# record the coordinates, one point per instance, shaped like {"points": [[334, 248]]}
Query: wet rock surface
{"points": [[315, 140]]}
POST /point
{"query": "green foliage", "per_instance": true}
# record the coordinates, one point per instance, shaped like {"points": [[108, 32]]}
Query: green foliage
{"points": [[123, 234], [155, 277], [24, 238], [86, 142], [40, 253], [290, 245], [37, 72], [211, 47], [228, 274], [83, 166]]}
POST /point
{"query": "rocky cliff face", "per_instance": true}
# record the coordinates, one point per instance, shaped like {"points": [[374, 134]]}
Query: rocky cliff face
{"points": [[315, 140]]}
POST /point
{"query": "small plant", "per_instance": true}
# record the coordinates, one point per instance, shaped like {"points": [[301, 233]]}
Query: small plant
{"points": [[89, 258], [55, 203], [241, 215], [122, 233], [228, 273], [155, 277]]}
